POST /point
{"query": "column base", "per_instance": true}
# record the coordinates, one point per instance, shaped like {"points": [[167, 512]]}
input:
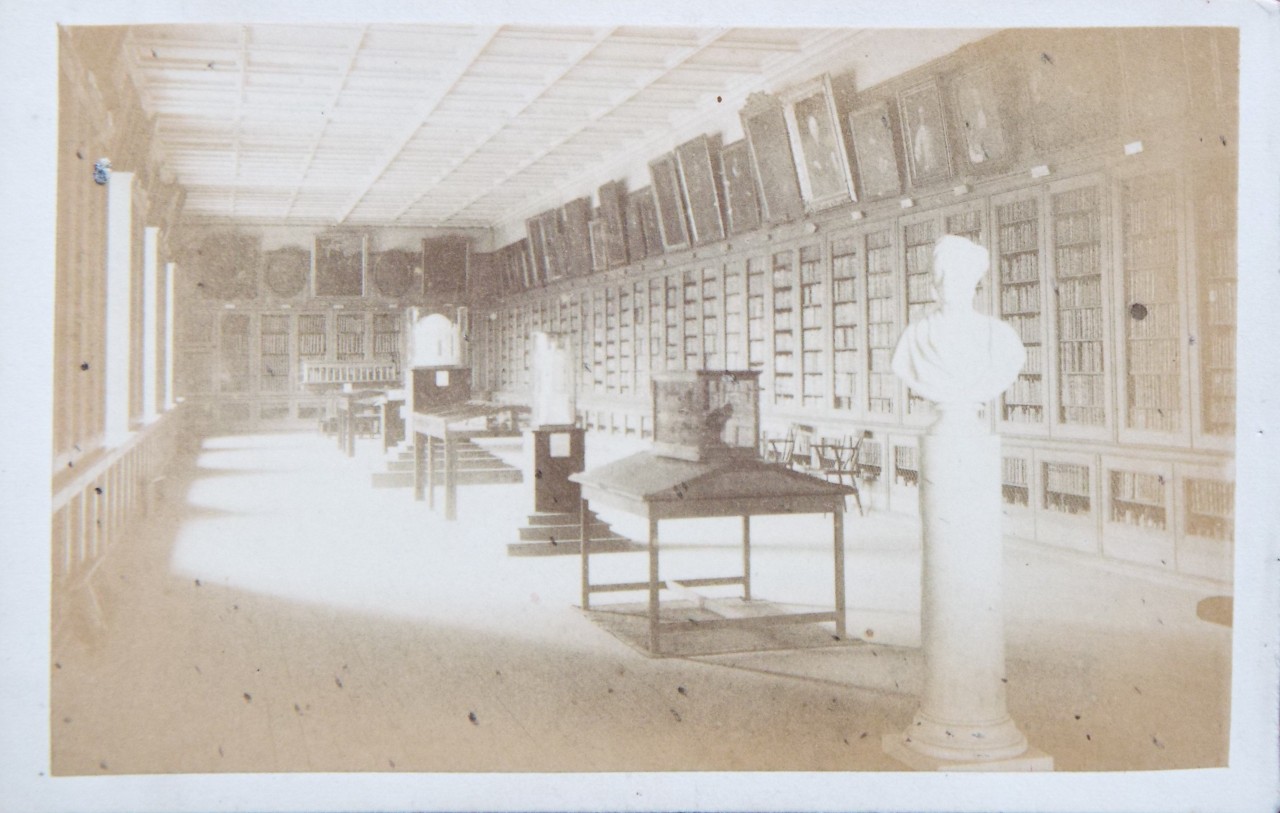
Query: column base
{"points": [[1032, 759]]}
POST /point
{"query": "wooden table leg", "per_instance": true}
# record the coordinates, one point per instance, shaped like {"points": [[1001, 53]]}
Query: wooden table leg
{"points": [[419, 459], [746, 557], [432, 462], [837, 520], [450, 477], [654, 644], [586, 552]]}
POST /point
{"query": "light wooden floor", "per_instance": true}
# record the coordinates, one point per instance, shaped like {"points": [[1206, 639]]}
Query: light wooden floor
{"points": [[275, 613]]}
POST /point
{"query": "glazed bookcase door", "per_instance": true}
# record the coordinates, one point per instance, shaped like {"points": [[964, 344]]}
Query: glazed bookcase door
{"points": [[1019, 280], [1138, 512], [1068, 500], [918, 234], [1151, 322], [1213, 306], [884, 323], [1080, 263]]}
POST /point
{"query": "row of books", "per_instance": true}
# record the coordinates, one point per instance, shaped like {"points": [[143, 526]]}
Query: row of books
{"points": [[844, 290], [1066, 478], [880, 261], [1151, 285], [844, 266], [1153, 356], [965, 224], [1137, 486], [1074, 200], [881, 335], [1079, 325], [311, 344], [1019, 268], [782, 298], [845, 313], [1027, 326], [1020, 298], [1155, 391], [1013, 471], [881, 286], [882, 385], [1083, 415], [1163, 419], [919, 259], [1150, 213], [1076, 261], [783, 343], [1080, 357], [811, 295], [919, 288], [1218, 257], [1018, 210], [1152, 321], [922, 232], [274, 344], [844, 338], [782, 320], [1023, 413], [1077, 227], [1023, 236], [846, 361], [1080, 292], [1220, 303], [1214, 498], [810, 272], [1151, 251], [1138, 515], [1025, 391]]}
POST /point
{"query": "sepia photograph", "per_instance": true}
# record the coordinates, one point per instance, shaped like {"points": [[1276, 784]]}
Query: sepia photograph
{"points": [[481, 410]]}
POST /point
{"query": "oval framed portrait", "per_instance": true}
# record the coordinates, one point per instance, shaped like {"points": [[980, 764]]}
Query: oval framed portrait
{"points": [[287, 270]]}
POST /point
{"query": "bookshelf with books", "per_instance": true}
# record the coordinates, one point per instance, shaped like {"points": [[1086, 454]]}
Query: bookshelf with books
{"points": [[784, 329], [274, 361], [598, 350], [756, 283], [712, 342], [1215, 303], [1138, 516], [734, 318], [1066, 501], [313, 332], [1151, 323], [813, 347], [626, 340], [236, 374], [1082, 388], [691, 311], [673, 341], [1018, 490], [350, 337], [919, 233], [657, 325], [1019, 301], [904, 475], [612, 341], [968, 221], [846, 321], [1205, 519], [882, 324], [386, 337]]}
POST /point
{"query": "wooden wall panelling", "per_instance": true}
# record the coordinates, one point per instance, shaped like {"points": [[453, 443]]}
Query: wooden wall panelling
{"points": [[637, 245], [537, 251], [766, 132]]}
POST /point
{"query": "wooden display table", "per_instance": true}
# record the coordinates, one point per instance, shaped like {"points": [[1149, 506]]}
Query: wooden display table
{"points": [[442, 437], [659, 488]]}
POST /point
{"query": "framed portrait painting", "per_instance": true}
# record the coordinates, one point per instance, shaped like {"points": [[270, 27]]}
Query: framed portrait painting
{"points": [[339, 265], [924, 134], [821, 165], [876, 150], [982, 137]]}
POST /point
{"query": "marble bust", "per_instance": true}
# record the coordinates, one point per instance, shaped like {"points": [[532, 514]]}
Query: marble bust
{"points": [[955, 356]]}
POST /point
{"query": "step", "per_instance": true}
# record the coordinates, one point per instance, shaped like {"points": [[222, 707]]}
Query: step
{"points": [[392, 479], [466, 477], [573, 547], [559, 518], [530, 533]]}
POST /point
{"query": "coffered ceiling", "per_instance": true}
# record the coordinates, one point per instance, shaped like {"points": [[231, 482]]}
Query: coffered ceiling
{"points": [[455, 126]]}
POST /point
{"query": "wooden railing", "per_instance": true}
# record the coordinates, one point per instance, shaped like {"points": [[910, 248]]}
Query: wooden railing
{"points": [[92, 510], [350, 372]]}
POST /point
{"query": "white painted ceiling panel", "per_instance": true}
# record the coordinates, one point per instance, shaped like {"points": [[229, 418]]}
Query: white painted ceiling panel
{"points": [[438, 126]]}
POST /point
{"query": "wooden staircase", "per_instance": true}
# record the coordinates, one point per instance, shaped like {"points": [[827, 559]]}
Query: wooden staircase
{"points": [[560, 533], [476, 466]]}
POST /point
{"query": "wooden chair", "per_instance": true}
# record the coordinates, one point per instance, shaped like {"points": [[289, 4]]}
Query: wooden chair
{"points": [[840, 460], [779, 450]]}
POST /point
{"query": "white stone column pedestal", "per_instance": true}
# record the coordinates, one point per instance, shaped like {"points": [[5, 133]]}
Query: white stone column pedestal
{"points": [[963, 722]]}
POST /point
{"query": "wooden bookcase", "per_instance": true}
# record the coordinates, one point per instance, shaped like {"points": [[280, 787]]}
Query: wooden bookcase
{"points": [[813, 316], [275, 362], [1019, 283], [351, 328], [784, 385], [1067, 499], [1138, 512], [1215, 305], [1205, 519], [756, 333], [1150, 319], [235, 353], [883, 322], [1018, 490], [846, 322], [1082, 391], [710, 317], [734, 318]]}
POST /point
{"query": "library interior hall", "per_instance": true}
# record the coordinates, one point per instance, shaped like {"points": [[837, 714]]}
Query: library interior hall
{"points": [[522, 398]]}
